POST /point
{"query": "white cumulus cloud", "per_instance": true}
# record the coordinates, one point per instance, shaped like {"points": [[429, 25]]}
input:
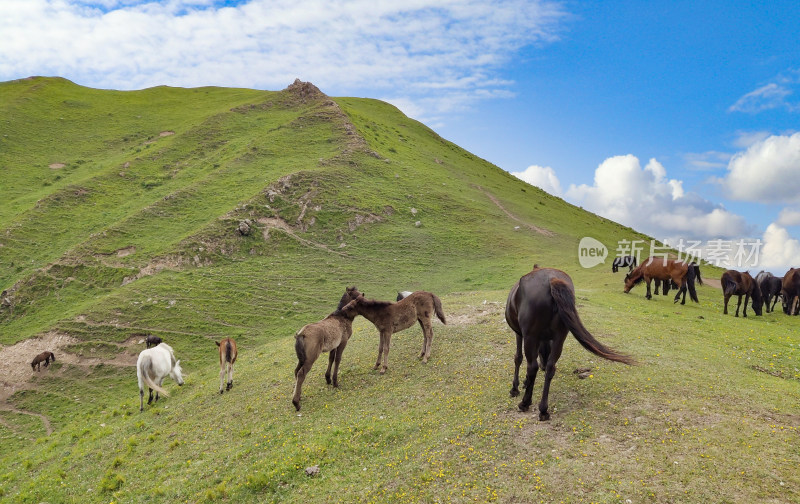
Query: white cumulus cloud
{"points": [[767, 172], [542, 177], [779, 251], [645, 199], [444, 51]]}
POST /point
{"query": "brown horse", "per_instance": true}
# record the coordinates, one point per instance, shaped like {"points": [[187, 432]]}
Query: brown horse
{"points": [[390, 318], [541, 310], [328, 335], [790, 291], [741, 284], [227, 356], [45, 357], [659, 269]]}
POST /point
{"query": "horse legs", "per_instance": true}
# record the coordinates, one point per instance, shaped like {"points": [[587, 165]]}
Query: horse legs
{"points": [[331, 358], [230, 376], [150, 398], [552, 355], [221, 375], [301, 376], [727, 298], [746, 300], [532, 357], [682, 290], [380, 351], [339, 352], [648, 295], [517, 362], [386, 343], [141, 399], [738, 304], [427, 339]]}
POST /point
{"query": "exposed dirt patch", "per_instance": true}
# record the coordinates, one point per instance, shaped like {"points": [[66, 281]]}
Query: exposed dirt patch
{"points": [[123, 252], [57, 166], [271, 223], [479, 314], [166, 133], [15, 360], [712, 282]]}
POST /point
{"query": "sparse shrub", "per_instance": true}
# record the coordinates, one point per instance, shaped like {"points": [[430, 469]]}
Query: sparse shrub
{"points": [[111, 481]]}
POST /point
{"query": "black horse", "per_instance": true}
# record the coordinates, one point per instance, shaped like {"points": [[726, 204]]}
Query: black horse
{"points": [[770, 286], [622, 262], [541, 310]]}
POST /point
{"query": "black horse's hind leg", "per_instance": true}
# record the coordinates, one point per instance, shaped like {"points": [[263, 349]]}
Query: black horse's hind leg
{"points": [[331, 359], [648, 295], [727, 298], [682, 290], [738, 304], [532, 357], [746, 300], [517, 362], [553, 355]]}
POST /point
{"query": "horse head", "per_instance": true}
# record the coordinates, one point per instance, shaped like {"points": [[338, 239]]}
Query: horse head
{"points": [[177, 373]]}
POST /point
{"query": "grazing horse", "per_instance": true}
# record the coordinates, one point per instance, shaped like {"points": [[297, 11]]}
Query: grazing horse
{"points": [[403, 294], [152, 341], [541, 310], [790, 291], [328, 335], [390, 318], [623, 262], [665, 269], [152, 366], [227, 356], [45, 357], [770, 286], [741, 284]]}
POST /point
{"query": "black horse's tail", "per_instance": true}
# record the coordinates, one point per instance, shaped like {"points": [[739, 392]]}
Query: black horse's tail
{"points": [[728, 285], [565, 300], [690, 277], [696, 268], [437, 306], [228, 351]]}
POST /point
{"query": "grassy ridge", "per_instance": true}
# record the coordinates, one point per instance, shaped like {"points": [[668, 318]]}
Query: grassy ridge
{"points": [[333, 190]]}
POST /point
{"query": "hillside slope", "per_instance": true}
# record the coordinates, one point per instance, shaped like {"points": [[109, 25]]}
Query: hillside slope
{"points": [[198, 214]]}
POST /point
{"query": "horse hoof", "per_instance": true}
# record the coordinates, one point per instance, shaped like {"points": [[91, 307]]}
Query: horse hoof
{"points": [[514, 392], [328, 379], [296, 405], [383, 371], [523, 407], [543, 417]]}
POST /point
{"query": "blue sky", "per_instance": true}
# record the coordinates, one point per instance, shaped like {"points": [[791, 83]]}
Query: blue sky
{"points": [[677, 118]]}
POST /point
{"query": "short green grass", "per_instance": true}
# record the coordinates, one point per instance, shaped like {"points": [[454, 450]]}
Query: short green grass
{"points": [[108, 253]]}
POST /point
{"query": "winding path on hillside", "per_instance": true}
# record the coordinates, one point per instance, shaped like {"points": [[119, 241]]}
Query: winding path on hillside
{"points": [[542, 231]]}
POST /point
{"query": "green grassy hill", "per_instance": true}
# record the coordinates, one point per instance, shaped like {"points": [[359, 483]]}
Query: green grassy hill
{"points": [[196, 214]]}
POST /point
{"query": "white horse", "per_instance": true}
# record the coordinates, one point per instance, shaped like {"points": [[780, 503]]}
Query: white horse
{"points": [[153, 365]]}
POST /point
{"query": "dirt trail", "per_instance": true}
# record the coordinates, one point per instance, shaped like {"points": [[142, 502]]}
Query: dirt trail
{"points": [[542, 231]]}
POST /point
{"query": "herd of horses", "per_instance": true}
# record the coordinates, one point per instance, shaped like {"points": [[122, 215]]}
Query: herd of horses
{"points": [[540, 309]]}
